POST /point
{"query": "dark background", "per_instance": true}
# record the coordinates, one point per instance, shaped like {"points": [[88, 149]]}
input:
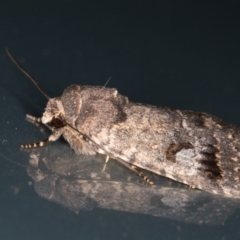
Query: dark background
{"points": [[181, 54]]}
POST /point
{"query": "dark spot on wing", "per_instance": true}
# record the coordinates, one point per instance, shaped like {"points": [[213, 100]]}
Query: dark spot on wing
{"points": [[195, 118], [174, 148], [209, 161], [121, 116]]}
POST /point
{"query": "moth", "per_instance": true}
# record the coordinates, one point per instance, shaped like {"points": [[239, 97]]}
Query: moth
{"points": [[193, 148]]}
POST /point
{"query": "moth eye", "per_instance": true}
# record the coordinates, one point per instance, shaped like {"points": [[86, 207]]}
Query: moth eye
{"points": [[57, 122]]}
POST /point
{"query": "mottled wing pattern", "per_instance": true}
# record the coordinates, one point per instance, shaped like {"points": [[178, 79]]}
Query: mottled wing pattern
{"points": [[193, 148]]}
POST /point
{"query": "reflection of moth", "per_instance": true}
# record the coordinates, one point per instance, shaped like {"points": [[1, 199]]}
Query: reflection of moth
{"points": [[194, 148], [77, 182]]}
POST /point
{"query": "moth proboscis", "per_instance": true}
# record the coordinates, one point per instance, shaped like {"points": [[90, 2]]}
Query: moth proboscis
{"points": [[194, 148]]}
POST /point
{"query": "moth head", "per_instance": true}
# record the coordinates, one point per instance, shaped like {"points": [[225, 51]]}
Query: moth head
{"points": [[54, 115]]}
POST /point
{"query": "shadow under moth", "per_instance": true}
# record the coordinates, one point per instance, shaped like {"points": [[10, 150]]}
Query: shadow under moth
{"points": [[197, 149]]}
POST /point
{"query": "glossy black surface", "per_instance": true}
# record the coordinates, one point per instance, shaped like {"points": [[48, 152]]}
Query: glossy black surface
{"points": [[181, 54]]}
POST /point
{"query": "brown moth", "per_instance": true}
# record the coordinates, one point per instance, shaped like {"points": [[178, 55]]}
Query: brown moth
{"points": [[194, 148]]}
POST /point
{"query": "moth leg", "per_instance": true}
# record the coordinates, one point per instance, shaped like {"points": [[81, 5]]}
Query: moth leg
{"points": [[136, 170], [107, 158], [105, 164], [140, 174], [36, 144], [53, 137], [33, 119]]}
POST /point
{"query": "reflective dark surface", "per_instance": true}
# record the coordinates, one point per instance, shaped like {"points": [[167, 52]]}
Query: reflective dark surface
{"points": [[169, 53], [81, 182]]}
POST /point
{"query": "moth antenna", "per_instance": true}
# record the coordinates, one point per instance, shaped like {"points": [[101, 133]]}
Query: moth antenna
{"points": [[10, 160], [107, 82], [26, 73]]}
